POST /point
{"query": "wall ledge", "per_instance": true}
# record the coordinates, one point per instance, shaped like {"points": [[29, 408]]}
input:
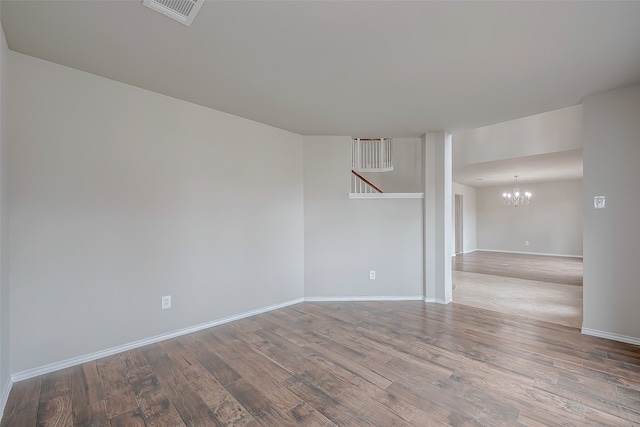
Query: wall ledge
{"points": [[386, 195], [610, 336]]}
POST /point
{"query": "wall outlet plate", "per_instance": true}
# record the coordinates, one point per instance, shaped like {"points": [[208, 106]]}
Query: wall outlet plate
{"points": [[372, 275], [598, 202]]}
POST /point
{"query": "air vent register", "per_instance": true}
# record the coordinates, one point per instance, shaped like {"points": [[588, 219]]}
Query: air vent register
{"points": [[182, 11]]}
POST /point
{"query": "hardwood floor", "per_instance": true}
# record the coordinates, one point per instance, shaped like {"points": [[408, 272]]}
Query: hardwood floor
{"points": [[349, 364], [542, 268], [538, 287], [551, 302]]}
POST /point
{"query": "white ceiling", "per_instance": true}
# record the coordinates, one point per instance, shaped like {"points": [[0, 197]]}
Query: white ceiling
{"points": [[558, 166], [347, 68]]}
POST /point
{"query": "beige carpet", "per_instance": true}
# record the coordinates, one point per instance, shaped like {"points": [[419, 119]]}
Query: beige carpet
{"points": [[551, 302]]}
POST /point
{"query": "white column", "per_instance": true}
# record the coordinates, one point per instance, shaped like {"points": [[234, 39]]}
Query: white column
{"points": [[436, 150]]}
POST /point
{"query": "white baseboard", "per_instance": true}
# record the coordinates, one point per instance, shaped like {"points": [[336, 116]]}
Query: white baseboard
{"points": [[30, 373], [438, 300], [610, 336], [466, 252], [367, 298], [6, 389], [527, 253]]}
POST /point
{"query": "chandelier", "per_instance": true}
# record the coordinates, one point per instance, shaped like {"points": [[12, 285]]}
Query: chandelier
{"points": [[516, 198]]}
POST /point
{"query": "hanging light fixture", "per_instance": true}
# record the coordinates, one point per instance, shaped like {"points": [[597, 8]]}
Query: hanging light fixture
{"points": [[516, 198]]}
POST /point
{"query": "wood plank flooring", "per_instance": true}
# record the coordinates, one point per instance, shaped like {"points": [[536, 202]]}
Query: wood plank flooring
{"points": [[532, 286], [551, 302], [349, 364], [563, 270]]}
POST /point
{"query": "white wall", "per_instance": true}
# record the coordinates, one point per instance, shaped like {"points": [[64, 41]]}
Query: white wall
{"points": [[118, 196], [611, 236], [552, 223], [406, 176], [5, 367], [468, 217], [554, 131], [345, 239]]}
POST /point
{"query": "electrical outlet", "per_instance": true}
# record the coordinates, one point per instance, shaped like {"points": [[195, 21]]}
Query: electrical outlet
{"points": [[372, 275], [166, 302], [526, 243]]}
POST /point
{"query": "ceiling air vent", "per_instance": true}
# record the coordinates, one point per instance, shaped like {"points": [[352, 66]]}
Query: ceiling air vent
{"points": [[182, 11]]}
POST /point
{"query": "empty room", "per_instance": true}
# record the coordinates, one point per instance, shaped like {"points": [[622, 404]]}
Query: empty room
{"points": [[243, 213], [517, 217]]}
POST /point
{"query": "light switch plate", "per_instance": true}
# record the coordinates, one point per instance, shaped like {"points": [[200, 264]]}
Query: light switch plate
{"points": [[166, 302], [598, 202]]}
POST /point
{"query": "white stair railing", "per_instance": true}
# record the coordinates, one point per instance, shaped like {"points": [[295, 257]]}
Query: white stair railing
{"points": [[360, 185], [371, 154]]}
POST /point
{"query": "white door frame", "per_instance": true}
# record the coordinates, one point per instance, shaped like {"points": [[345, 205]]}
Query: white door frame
{"points": [[459, 221]]}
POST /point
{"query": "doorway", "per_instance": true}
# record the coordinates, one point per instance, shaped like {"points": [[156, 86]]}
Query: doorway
{"points": [[458, 224]]}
